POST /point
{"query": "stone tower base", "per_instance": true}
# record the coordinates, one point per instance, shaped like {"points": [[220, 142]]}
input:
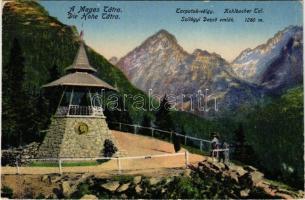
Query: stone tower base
{"points": [[75, 137]]}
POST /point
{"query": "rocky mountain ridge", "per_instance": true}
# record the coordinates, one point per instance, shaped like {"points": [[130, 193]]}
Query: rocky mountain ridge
{"points": [[162, 65], [276, 64]]}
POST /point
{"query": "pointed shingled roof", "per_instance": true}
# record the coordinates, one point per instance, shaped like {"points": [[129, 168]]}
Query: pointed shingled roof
{"points": [[82, 79], [80, 73], [81, 62]]}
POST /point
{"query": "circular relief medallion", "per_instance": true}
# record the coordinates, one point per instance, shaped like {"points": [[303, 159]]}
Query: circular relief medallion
{"points": [[81, 128]]}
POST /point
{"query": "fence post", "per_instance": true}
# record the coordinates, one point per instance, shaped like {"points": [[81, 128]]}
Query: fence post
{"points": [[152, 132], [120, 126], [135, 129], [186, 156], [60, 167], [171, 137], [200, 145], [227, 156], [119, 164], [17, 166], [185, 139]]}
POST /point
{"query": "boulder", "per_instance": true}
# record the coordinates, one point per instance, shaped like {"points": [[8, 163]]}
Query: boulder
{"points": [[137, 180], [89, 196], [154, 181], [123, 187], [207, 167], [52, 196], [111, 186], [54, 179], [123, 196], [218, 166], [256, 177], [138, 189], [245, 192], [168, 180], [240, 170], [187, 172], [66, 189], [233, 175], [245, 180], [45, 178], [250, 168]]}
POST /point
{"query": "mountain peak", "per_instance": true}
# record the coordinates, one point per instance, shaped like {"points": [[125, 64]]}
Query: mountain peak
{"points": [[200, 52], [113, 60], [163, 35], [164, 32]]}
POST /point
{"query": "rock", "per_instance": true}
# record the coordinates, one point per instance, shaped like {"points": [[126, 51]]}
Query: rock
{"points": [[301, 194], [167, 180], [89, 196], [256, 177], [138, 189], [111, 186], [66, 189], [123, 187], [238, 169], [233, 175], [154, 181], [245, 180], [244, 193], [45, 178], [85, 175], [218, 166], [137, 180], [187, 172], [207, 166], [250, 168], [52, 196], [54, 179], [251, 179], [90, 181], [124, 196]]}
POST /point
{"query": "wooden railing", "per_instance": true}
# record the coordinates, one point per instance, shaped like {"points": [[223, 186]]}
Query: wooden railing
{"points": [[74, 110], [202, 144], [118, 159]]}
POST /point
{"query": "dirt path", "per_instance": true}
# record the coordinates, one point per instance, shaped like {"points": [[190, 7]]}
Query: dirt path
{"points": [[132, 145]]}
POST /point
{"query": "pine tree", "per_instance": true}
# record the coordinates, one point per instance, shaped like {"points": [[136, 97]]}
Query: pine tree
{"points": [[146, 122], [240, 135], [243, 152], [14, 119], [54, 73], [163, 118], [42, 116], [53, 95]]}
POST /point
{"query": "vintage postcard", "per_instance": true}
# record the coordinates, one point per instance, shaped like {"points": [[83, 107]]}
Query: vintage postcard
{"points": [[152, 100]]}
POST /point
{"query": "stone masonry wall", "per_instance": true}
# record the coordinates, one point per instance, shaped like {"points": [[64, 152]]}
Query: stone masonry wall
{"points": [[63, 139]]}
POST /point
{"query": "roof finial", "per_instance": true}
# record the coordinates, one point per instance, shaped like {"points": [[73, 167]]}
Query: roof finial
{"points": [[81, 35]]}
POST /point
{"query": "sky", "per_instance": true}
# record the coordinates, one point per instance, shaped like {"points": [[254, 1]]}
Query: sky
{"points": [[141, 19]]}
